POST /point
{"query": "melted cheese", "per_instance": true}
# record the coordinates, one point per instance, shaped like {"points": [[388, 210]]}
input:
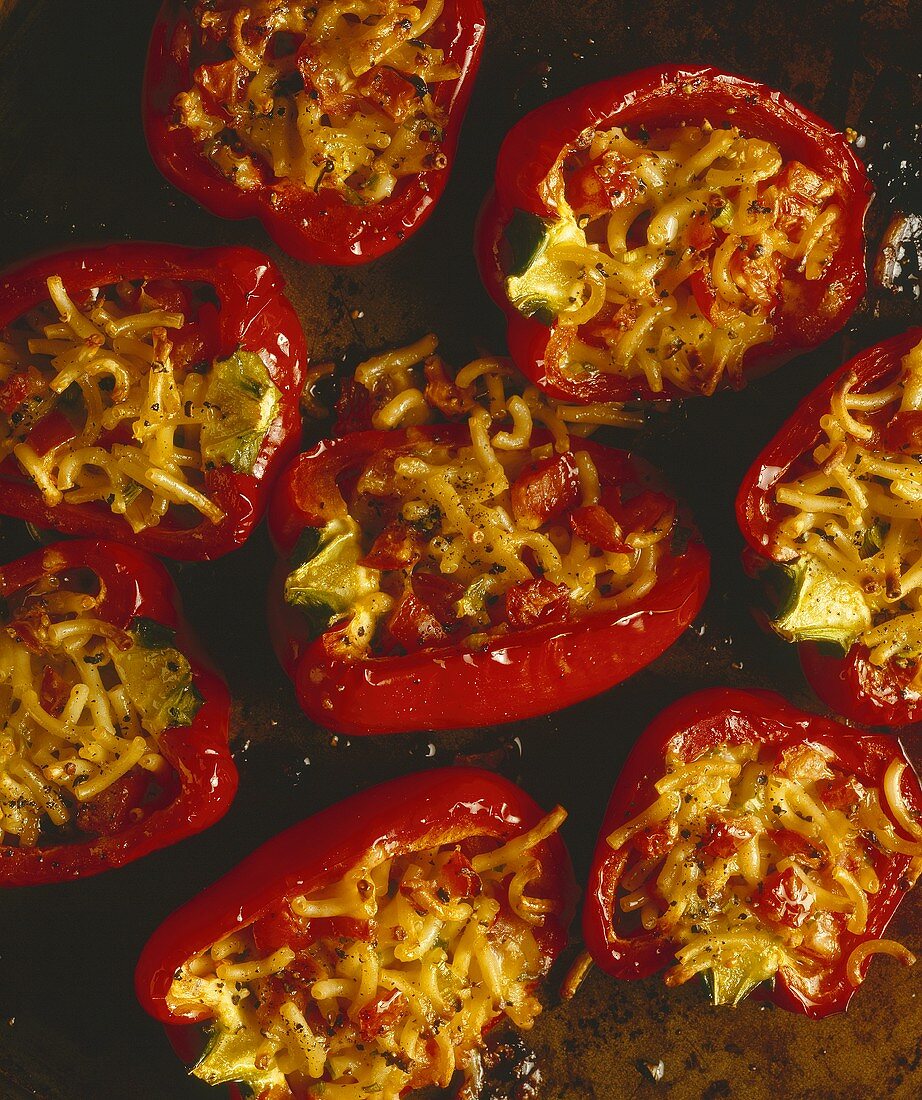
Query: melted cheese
{"points": [[708, 861], [82, 704], [856, 510], [333, 95], [451, 947], [682, 204]]}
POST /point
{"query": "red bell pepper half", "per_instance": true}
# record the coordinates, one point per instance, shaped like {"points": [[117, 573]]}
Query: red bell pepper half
{"points": [[849, 683], [784, 740], [313, 223], [232, 302], [547, 662], [467, 807], [651, 99], [138, 813]]}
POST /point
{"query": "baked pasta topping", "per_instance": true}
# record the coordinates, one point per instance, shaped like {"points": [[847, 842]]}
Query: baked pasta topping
{"points": [[329, 96], [490, 532], [117, 398], [850, 525], [82, 708], [674, 252], [382, 983], [754, 860]]}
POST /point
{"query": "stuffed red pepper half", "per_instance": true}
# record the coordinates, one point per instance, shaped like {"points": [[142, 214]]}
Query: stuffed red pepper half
{"points": [[663, 233], [752, 843], [366, 951], [114, 739], [831, 510], [447, 575], [148, 393], [333, 123]]}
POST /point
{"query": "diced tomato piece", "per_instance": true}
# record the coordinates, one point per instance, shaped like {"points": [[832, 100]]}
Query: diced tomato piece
{"points": [[601, 186], [714, 308], [595, 525], [704, 293], [198, 341], [439, 593], [388, 90], [645, 511], [783, 899], [533, 603], [757, 275], [21, 630], [321, 78], [460, 877], [793, 844], [657, 841], [442, 392], [843, 793], [800, 191], [380, 1014], [110, 811], [284, 929], [19, 388], [724, 837], [610, 323], [803, 764], [379, 478], [399, 546], [50, 432], [414, 625], [903, 433], [545, 490], [700, 233], [54, 691]]}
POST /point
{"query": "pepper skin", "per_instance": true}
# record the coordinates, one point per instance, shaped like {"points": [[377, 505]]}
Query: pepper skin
{"points": [[316, 227], [253, 316], [689, 728], [869, 694], [665, 96], [424, 810], [204, 778], [528, 672]]}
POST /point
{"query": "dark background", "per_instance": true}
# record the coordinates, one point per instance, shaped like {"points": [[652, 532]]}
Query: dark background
{"points": [[74, 167]]}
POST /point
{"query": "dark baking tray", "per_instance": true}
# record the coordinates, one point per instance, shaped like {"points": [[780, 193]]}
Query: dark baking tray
{"points": [[73, 167]]}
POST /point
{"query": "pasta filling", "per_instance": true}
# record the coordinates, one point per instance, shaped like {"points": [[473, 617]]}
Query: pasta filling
{"points": [[674, 253], [82, 706], [441, 543], [851, 523], [116, 400], [329, 96], [383, 983], [755, 861]]}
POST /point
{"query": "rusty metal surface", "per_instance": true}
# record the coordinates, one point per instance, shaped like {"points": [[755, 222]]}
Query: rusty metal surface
{"points": [[73, 167]]}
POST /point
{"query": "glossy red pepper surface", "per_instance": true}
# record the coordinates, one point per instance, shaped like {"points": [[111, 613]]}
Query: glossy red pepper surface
{"points": [[253, 315], [204, 778], [871, 694], [664, 96], [528, 672], [420, 811], [689, 728], [321, 226]]}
